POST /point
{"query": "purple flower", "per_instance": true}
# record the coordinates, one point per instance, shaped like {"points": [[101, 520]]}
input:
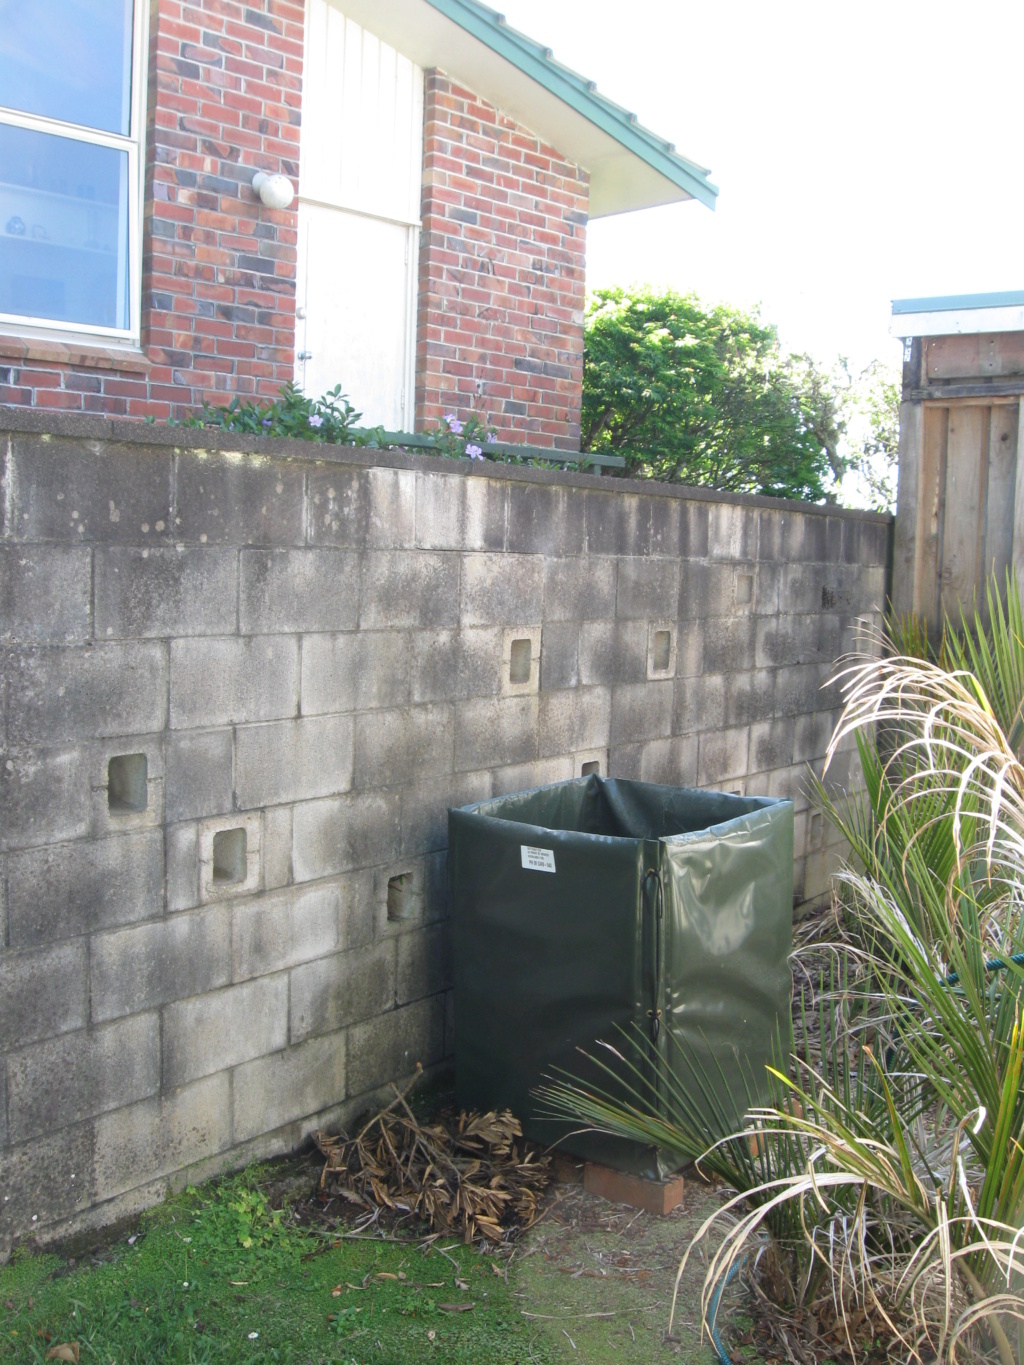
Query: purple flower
{"points": [[474, 452], [267, 422], [454, 425], [492, 436], [316, 421]]}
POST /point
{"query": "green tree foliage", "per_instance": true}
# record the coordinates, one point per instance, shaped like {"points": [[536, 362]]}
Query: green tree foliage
{"points": [[697, 395]]}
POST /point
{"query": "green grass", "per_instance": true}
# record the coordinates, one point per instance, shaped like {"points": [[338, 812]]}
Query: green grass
{"points": [[215, 1265]]}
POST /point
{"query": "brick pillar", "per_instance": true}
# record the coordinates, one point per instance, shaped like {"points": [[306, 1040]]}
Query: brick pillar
{"points": [[218, 297], [502, 258]]}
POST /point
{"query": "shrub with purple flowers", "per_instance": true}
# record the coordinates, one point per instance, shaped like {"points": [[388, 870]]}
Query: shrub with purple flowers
{"points": [[330, 419], [467, 437]]}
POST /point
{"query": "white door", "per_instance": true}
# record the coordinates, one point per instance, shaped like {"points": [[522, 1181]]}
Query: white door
{"points": [[359, 195]]}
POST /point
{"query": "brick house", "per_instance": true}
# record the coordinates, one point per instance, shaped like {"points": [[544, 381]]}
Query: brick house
{"points": [[432, 257]]}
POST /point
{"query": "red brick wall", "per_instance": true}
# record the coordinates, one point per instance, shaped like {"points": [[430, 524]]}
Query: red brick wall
{"points": [[502, 257], [218, 284]]}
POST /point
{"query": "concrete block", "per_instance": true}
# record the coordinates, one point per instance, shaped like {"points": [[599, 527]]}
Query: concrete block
{"points": [[693, 531], [496, 590], [44, 796], [225, 681], [669, 524], [409, 590], [64, 1080], [424, 963], [574, 720], [812, 733], [523, 776], [393, 748], [749, 696], [230, 856], [332, 992], [229, 499], [182, 846], [165, 591], [580, 589], [361, 509], [626, 761], [586, 761], [545, 520], [435, 887], [732, 531], [697, 600], [700, 704], [45, 1181], [277, 847], [786, 640], [729, 644], [341, 833], [45, 594], [282, 591], [690, 649], [198, 774], [389, 1047], [63, 890], [288, 1086], [42, 993], [670, 761], [148, 965], [520, 660], [771, 744], [722, 756], [214, 1031], [641, 711], [662, 649], [798, 690], [360, 907], [791, 784], [767, 587], [354, 672], [490, 733], [560, 655], [159, 1136], [865, 542], [448, 665], [618, 524], [65, 694], [455, 512], [424, 823], [806, 589], [648, 589], [792, 536], [275, 932], [65, 490], [127, 794], [292, 760], [613, 652]]}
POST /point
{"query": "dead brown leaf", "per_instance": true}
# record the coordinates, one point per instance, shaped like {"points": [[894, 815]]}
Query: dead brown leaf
{"points": [[67, 1350], [456, 1307]]}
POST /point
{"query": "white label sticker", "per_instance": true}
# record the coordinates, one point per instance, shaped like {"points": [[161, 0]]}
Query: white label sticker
{"points": [[538, 859]]}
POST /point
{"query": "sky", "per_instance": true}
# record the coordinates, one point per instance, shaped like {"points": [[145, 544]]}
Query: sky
{"points": [[864, 151]]}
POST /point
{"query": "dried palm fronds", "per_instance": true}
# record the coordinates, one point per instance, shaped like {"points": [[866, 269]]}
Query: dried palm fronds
{"points": [[465, 1178]]}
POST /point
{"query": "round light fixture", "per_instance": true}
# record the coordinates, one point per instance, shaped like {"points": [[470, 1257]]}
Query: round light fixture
{"points": [[274, 190]]}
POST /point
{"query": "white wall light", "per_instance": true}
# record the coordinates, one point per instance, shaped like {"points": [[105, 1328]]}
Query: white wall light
{"points": [[274, 190]]}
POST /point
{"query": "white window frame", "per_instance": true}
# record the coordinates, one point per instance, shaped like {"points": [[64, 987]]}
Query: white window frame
{"points": [[135, 146]]}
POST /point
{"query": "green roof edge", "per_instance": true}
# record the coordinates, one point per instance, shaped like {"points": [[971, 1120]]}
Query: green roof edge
{"points": [[574, 90]]}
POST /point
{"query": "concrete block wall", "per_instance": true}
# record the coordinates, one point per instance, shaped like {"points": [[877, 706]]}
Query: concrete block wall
{"points": [[241, 682]]}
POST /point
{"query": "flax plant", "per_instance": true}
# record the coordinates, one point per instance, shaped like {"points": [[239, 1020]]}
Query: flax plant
{"points": [[883, 1183]]}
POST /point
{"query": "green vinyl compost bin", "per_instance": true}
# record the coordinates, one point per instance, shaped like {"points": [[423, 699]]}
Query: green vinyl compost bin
{"points": [[599, 905]]}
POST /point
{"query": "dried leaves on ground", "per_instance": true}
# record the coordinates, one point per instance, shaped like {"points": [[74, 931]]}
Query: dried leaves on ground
{"points": [[465, 1176]]}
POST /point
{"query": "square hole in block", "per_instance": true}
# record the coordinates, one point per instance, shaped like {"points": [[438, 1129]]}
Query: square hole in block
{"points": [[127, 792], [661, 654], [229, 856], [399, 896], [592, 767], [520, 659], [744, 590]]}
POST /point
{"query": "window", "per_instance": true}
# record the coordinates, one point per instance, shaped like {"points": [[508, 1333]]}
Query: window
{"points": [[71, 118]]}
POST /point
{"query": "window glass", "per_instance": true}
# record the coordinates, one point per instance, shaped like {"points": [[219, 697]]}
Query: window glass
{"points": [[63, 229], [68, 60]]}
